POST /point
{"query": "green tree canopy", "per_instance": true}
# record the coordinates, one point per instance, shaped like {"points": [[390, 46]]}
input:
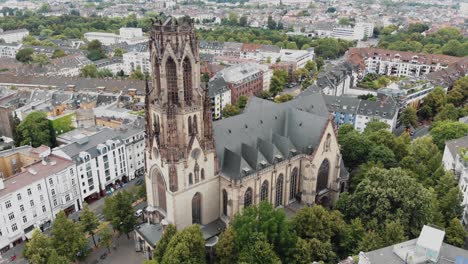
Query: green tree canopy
{"points": [[119, 211], [39, 248], [230, 110], [187, 246], [89, 221], [455, 233], [161, 247], [446, 130], [36, 130], [409, 117], [68, 238], [25, 55]]}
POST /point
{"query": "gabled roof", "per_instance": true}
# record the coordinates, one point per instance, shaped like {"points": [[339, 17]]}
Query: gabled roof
{"points": [[267, 133]]}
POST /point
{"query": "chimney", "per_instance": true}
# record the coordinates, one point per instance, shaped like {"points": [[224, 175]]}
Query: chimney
{"points": [[132, 92]]}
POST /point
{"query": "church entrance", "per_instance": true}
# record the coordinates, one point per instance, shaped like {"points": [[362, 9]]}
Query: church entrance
{"points": [[196, 209]]}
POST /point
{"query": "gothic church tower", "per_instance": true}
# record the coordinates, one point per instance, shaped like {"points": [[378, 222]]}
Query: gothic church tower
{"points": [[181, 170]]}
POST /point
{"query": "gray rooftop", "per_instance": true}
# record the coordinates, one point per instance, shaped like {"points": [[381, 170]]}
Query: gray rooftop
{"points": [[267, 133], [454, 145], [152, 233], [217, 86]]}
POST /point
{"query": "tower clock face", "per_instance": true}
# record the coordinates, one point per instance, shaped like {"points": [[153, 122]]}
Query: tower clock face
{"points": [[155, 153], [196, 153]]}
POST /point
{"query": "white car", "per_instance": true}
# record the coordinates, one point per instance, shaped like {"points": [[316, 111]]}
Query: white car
{"points": [[139, 212]]}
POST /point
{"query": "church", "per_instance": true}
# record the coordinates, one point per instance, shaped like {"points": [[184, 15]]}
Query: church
{"points": [[204, 172]]}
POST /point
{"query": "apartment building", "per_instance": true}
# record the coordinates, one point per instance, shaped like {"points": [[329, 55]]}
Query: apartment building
{"points": [[399, 63], [128, 35], [9, 50], [220, 96], [12, 36], [106, 159], [133, 60], [357, 32], [31, 198]]}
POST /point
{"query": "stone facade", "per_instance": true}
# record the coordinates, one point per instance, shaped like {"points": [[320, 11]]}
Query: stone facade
{"points": [[191, 180]]}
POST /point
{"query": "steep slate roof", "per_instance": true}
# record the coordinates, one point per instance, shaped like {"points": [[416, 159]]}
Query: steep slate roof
{"points": [[217, 86], [267, 133]]}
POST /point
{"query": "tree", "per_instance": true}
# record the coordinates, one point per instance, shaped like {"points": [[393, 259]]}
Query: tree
{"points": [[137, 74], [58, 53], [317, 222], [39, 248], [205, 78], [375, 125], [355, 148], [89, 70], [118, 52], [243, 21], [390, 195], [271, 24], [455, 233], [383, 154], [187, 246], [417, 27], [25, 55], [276, 85], [242, 102], [161, 247], [230, 110], [95, 45], [36, 130], [105, 236], [449, 112], [89, 221], [54, 258], [233, 18], [409, 117], [331, 10], [352, 236], [311, 66], [258, 251], [424, 160], [119, 211], [459, 94], [95, 55], [226, 249], [96, 51], [394, 233], [68, 238], [371, 241], [264, 219], [435, 100], [446, 130], [283, 98]]}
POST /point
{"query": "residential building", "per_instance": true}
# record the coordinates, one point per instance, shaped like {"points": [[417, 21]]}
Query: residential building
{"points": [[357, 112], [13, 160], [429, 247], [115, 65], [298, 58], [31, 198], [204, 172], [211, 47], [133, 60], [103, 37], [220, 96], [12, 36], [105, 158], [399, 63], [9, 50], [128, 35], [359, 31], [244, 79]]}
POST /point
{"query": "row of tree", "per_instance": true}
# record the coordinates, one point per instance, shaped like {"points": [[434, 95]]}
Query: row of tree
{"points": [[449, 41]]}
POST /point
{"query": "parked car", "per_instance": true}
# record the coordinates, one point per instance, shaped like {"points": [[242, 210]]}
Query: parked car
{"points": [[139, 212]]}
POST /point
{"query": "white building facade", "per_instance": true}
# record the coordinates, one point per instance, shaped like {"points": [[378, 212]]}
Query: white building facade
{"points": [[12, 36], [9, 50], [32, 198], [133, 60]]}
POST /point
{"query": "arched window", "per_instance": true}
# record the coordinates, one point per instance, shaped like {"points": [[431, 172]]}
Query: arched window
{"points": [[190, 125], [173, 179], [225, 202], [159, 189], [187, 81], [196, 209], [171, 77], [294, 186], [195, 125], [202, 174], [190, 178], [279, 191], [264, 191], [322, 178], [248, 197], [196, 171]]}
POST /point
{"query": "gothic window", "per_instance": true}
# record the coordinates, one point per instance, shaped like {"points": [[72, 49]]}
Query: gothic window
{"points": [[264, 191], [195, 125], [196, 209], [322, 178], [187, 81], [279, 191], [156, 124], [248, 197], [190, 178], [173, 179], [196, 171], [326, 146], [190, 125], [171, 77], [293, 186], [202, 174], [159, 189], [225, 202]]}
